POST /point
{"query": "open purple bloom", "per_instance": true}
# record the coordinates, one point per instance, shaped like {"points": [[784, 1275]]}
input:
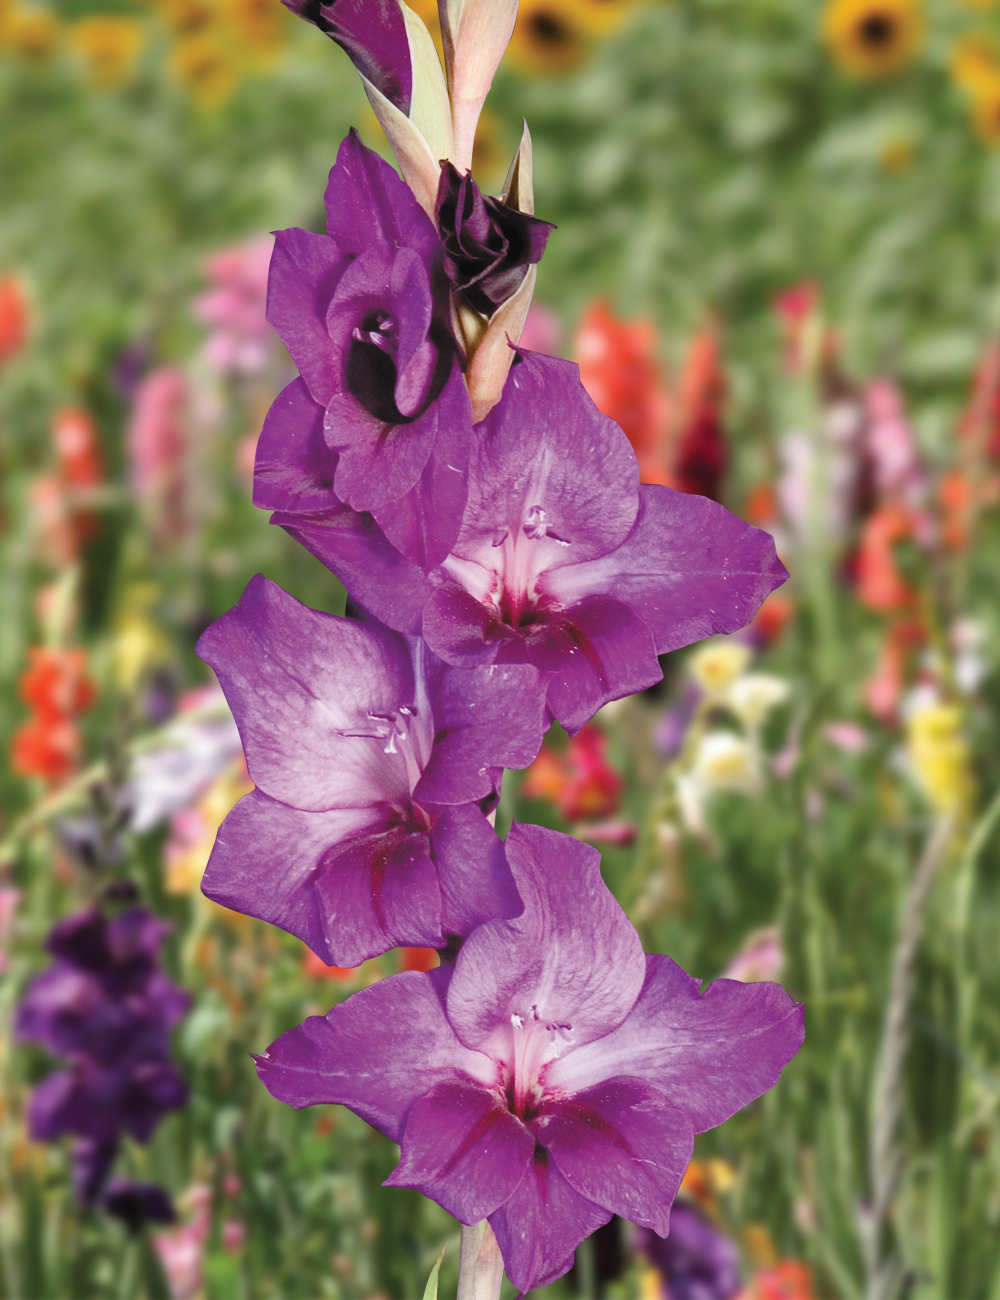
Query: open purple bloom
{"points": [[698, 1262], [372, 761], [556, 1077], [562, 561], [364, 312], [373, 35], [488, 244]]}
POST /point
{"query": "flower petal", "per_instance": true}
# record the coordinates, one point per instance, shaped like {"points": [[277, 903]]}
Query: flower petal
{"points": [[318, 876], [541, 1225], [294, 468], [302, 686], [483, 718], [689, 568], [305, 271], [595, 651], [352, 546], [622, 1145], [378, 1053], [368, 204], [571, 960], [546, 447], [373, 35], [475, 881], [464, 1149], [710, 1052]]}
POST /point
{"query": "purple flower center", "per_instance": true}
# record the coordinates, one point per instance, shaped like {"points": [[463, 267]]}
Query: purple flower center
{"points": [[504, 575], [371, 365]]}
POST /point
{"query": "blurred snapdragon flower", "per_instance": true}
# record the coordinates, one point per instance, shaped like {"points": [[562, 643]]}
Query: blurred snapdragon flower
{"points": [[234, 307], [695, 1261]]}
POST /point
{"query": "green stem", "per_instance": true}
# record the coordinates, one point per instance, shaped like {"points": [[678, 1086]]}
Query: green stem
{"points": [[480, 1268]]}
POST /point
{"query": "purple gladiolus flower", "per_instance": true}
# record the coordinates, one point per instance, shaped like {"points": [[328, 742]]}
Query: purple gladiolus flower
{"points": [[562, 561], [364, 312], [488, 245], [373, 35], [697, 1261], [556, 1076], [106, 1005], [373, 761]]}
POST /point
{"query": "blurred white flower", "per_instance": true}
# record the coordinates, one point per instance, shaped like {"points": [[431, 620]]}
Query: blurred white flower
{"points": [[753, 696], [715, 664], [196, 748]]}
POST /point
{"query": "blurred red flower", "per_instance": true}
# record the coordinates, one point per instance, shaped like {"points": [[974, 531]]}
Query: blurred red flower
{"points": [[580, 782], [13, 318], [57, 689]]}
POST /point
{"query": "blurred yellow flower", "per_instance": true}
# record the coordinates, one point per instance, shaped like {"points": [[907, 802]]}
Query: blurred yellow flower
{"points": [[549, 37], [257, 24], [725, 761], [138, 646], [32, 32], [602, 16], [938, 756], [108, 45], [973, 60], [489, 152], [986, 110], [872, 38], [207, 67], [716, 664], [186, 17], [752, 696]]}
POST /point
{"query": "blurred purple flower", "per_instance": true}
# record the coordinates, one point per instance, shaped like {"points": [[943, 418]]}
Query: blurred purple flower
{"points": [[372, 761], [364, 312], [697, 1261], [555, 1076], [235, 307], [673, 725], [488, 245], [106, 1005], [137, 1203]]}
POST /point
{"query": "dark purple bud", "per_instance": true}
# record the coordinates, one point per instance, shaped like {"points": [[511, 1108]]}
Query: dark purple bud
{"points": [[373, 35], [137, 1203], [488, 245]]}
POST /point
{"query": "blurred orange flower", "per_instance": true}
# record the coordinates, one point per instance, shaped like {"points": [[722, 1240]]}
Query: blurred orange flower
{"points": [[57, 689], [580, 782], [880, 584], [13, 317], [619, 370]]}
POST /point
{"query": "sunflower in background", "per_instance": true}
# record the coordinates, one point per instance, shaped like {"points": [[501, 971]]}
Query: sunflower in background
{"points": [[549, 37], [108, 45], [975, 69], [873, 38], [31, 32]]}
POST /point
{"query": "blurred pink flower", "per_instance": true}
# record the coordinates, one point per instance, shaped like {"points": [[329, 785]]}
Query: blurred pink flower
{"points": [[890, 446], [847, 736], [234, 307], [618, 833], [155, 444], [182, 1250], [233, 1234], [542, 331], [9, 899], [760, 958]]}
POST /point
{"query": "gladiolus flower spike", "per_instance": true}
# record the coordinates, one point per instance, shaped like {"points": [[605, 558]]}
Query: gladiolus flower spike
{"points": [[555, 1076]]}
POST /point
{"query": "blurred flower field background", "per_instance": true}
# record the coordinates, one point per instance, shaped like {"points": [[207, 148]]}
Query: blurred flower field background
{"points": [[778, 265]]}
